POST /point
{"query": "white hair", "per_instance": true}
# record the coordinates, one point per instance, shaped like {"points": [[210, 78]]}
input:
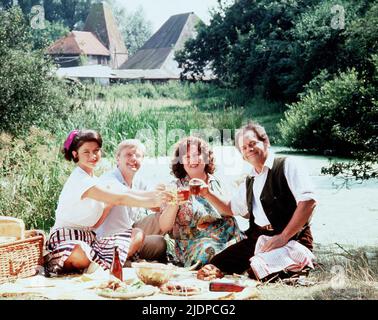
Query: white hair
{"points": [[130, 143]]}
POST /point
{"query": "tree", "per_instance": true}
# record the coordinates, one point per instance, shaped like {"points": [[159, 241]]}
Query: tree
{"points": [[272, 47], [134, 27], [29, 92], [70, 12], [51, 32]]}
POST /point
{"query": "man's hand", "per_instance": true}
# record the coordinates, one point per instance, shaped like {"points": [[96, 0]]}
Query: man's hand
{"points": [[209, 272], [275, 242]]}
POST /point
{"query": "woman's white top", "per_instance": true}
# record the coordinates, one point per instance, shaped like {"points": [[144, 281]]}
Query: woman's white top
{"points": [[72, 210]]}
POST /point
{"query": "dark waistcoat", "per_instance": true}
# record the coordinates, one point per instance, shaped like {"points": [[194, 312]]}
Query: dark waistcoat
{"points": [[278, 202]]}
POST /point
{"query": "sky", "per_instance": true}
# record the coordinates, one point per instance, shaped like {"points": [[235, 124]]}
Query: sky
{"points": [[159, 11]]}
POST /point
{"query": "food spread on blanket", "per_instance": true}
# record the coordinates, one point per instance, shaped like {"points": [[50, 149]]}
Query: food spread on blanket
{"points": [[154, 274], [122, 290], [97, 286], [209, 272], [180, 289]]}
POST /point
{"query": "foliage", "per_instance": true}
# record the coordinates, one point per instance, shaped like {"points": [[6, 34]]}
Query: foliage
{"points": [[32, 177], [340, 115], [134, 27], [144, 110], [343, 117], [273, 47], [362, 40], [326, 119], [29, 93], [51, 32], [72, 13]]}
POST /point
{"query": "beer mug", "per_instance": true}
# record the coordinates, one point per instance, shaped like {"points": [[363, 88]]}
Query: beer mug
{"points": [[195, 186], [184, 192], [172, 190]]}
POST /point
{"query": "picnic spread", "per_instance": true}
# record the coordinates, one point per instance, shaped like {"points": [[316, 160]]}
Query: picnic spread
{"points": [[22, 275], [99, 285]]}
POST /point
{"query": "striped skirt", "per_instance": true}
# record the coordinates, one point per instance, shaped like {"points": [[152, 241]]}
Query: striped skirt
{"points": [[61, 243]]}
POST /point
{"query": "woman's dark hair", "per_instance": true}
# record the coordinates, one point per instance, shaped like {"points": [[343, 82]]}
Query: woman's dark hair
{"points": [[182, 148], [78, 140]]}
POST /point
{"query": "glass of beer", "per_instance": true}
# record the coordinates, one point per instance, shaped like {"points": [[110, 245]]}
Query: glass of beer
{"points": [[172, 189], [184, 192], [195, 186]]}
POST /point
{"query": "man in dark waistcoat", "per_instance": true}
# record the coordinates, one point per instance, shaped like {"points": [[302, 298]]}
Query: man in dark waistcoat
{"points": [[277, 196]]}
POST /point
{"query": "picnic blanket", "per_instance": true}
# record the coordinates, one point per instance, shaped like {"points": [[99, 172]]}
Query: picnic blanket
{"points": [[85, 287]]}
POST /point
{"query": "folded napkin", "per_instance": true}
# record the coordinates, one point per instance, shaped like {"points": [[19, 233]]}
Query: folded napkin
{"points": [[291, 257]]}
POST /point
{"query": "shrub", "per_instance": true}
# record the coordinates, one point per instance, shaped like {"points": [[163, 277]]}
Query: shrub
{"points": [[340, 117], [29, 93], [32, 174]]}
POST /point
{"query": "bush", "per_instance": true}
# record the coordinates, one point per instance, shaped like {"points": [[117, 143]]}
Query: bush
{"points": [[29, 93], [340, 117], [32, 174]]}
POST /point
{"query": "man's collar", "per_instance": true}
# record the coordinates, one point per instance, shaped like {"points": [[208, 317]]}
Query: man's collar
{"points": [[119, 176], [267, 164], [269, 160]]}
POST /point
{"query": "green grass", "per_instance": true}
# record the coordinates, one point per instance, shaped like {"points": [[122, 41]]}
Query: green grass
{"points": [[127, 111]]}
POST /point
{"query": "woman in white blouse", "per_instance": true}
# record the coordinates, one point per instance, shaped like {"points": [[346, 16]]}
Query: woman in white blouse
{"points": [[83, 206]]}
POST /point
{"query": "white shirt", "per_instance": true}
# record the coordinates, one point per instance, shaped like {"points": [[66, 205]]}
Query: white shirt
{"points": [[74, 212], [120, 218], [297, 178]]}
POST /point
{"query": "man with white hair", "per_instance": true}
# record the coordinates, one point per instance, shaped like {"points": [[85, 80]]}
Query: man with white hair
{"points": [[129, 157]]}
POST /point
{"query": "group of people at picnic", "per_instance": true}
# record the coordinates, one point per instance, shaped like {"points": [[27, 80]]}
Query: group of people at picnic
{"points": [[95, 215]]}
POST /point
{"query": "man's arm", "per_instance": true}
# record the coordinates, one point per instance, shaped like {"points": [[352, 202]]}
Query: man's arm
{"points": [[223, 206], [301, 216]]}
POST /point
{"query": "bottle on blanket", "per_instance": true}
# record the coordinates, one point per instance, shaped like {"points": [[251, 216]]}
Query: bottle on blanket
{"points": [[116, 267]]}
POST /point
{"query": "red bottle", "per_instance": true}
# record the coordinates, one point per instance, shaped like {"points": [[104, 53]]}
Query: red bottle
{"points": [[116, 267], [225, 286]]}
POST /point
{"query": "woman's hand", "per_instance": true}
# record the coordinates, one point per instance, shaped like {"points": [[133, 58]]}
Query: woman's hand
{"points": [[204, 191]]}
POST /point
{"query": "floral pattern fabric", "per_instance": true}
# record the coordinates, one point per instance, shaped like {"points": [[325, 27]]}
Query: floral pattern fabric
{"points": [[199, 230]]}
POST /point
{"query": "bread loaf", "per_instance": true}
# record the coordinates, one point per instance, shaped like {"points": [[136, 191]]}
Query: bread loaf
{"points": [[12, 227]]}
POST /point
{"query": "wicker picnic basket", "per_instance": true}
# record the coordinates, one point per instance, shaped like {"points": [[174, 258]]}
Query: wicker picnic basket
{"points": [[22, 258]]}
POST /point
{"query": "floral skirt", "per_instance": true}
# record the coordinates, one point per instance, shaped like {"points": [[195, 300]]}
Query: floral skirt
{"points": [[62, 242], [204, 244]]}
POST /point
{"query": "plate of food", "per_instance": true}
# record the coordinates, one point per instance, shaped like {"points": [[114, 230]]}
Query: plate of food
{"points": [[180, 289], [120, 290]]}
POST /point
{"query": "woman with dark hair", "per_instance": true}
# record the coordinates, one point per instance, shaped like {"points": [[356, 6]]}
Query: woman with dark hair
{"points": [[83, 206], [198, 230]]}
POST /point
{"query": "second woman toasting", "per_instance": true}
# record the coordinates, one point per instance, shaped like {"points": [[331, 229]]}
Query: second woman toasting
{"points": [[199, 231]]}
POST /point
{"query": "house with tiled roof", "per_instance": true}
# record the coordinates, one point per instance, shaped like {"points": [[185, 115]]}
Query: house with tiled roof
{"points": [[99, 43], [79, 48]]}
